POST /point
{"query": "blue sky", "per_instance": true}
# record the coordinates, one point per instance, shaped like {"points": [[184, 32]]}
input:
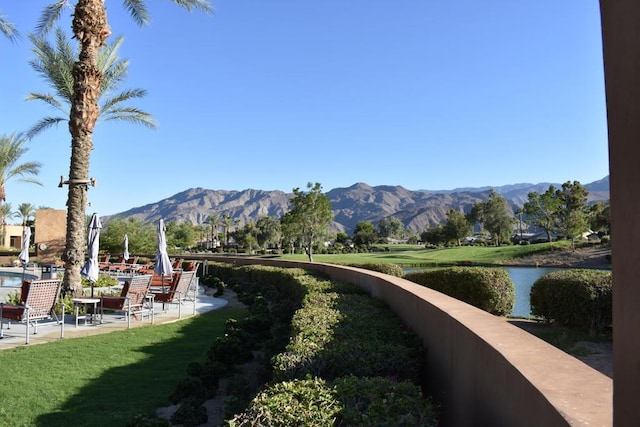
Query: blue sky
{"points": [[271, 95]]}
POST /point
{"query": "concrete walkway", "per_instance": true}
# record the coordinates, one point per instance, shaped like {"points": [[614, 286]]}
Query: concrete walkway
{"points": [[49, 331]]}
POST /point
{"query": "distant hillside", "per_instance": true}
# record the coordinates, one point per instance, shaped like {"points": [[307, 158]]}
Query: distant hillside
{"points": [[360, 202]]}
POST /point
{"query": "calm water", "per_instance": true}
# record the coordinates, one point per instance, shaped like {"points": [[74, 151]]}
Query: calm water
{"points": [[523, 279], [10, 279]]}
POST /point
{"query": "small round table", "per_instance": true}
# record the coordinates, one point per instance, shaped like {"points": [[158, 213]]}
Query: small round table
{"points": [[86, 302]]}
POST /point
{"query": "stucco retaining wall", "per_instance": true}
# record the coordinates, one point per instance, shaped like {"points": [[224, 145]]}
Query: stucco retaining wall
{"points": [[484, 370]]}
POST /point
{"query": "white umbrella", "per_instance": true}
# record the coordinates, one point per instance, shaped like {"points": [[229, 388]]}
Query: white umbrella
{"points": [[91, 268], [163, 264], [125, 254], [24, 254]]}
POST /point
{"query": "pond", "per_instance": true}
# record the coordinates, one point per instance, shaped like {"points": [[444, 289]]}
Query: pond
{"points": [[523, 279]]}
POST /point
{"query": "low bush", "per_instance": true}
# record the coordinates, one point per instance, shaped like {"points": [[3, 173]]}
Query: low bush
{"points": [[580, 297], [489, 289], [386, 268]]}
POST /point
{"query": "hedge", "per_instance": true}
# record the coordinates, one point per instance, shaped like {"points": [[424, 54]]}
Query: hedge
{"points": [[580, 297], [489, 289]]}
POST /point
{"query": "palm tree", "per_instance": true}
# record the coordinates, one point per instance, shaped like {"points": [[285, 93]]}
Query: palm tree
{"points": [[7, 214], [91, 29], [214, 221], [55, 66], [227, 223], [11, 149], [25, 211]]}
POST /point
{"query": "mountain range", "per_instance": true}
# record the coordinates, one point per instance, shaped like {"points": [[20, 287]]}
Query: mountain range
{"points": [[418, 209]]}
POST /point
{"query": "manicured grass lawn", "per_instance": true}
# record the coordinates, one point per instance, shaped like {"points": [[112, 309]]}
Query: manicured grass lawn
{"points": [[103, 380], [418, 256]]}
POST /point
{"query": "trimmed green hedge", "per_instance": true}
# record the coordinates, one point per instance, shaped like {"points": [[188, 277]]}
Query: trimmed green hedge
{"points": [[347, 401], [579, 297], [489, 289], [386, 268]]}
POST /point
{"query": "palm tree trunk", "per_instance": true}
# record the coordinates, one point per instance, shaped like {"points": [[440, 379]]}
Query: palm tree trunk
{"points": [[91, 29]]}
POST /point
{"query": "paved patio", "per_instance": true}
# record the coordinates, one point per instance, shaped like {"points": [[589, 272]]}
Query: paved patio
{"points": [[15, 337]]}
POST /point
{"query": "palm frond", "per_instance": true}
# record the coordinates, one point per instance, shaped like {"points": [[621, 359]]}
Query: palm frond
{"points": [[49, 16], [44, 124], [138, 11], [48, 99], [131, 115], [8, 29], [202, 5], [121, 97]]}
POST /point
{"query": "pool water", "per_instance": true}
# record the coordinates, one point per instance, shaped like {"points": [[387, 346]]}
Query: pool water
{"points": [[10, 280]]}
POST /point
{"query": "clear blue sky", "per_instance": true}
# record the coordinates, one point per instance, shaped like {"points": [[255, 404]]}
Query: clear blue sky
{"points": [[271, 95]]}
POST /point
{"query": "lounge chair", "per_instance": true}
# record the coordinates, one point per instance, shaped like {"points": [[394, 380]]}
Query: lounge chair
{"points": [[178, 292], [131, 301], [38, 300]]}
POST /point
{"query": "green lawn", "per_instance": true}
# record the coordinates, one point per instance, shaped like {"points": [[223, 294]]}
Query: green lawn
{"points": [[103, 380], [418, 256]]}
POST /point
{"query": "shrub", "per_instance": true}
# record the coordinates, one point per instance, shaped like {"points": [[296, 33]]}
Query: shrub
{"points": [[489, 289], [578, 297], [386, 268]]}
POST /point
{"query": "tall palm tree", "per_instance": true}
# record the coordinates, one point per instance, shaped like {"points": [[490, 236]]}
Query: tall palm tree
{"points": [[11, 149], [7, 214], [25, 212], [55, 65], [214, 221], [91, 29], [227, 223]]}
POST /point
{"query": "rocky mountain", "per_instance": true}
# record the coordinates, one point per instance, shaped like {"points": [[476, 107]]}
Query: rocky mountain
{"points": [[416, 209]]}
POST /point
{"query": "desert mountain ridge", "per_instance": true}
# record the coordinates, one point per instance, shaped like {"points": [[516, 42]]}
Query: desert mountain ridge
{"points": [[418, 210]]}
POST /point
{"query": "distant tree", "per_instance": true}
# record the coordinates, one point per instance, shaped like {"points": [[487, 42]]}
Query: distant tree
{"points": [[214, 222], [391, 227], [7, 214], [25, 212], [544, 210], [11, 149], [142, 236], [181, 235], [457, 227], [227, 223], [573, 219], [342, 237], [268, 231], [291, 231], [246, 236], [312, 214], [434, 235], [599, 217], [364, 233], [494, 216]]}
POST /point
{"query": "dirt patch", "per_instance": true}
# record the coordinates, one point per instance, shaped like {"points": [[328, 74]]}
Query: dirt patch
{"points": [[597, 257]]}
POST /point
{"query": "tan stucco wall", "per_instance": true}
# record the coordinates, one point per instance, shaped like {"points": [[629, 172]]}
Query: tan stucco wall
{"points": [[484, 370], [12, 231], [50, 229]]}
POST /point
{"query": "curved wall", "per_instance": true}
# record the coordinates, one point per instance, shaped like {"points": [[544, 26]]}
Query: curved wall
{"points": [[484, 370]]}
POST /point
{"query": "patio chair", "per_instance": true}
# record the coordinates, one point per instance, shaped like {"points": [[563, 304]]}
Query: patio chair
{"points": [[38, 300], [131, 301], [178, 292]]}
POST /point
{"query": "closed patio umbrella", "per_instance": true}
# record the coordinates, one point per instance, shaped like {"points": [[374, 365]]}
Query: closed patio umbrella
{"points": [[24, 254], [91, 268], [125, 254], [163, 264]]}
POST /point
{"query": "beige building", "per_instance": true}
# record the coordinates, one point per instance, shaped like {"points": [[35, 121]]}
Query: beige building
{"points": [[12, 237], [50, 234]]}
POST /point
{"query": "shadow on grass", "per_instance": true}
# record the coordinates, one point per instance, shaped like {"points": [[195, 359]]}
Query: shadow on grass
{"points": [[116, 395]]}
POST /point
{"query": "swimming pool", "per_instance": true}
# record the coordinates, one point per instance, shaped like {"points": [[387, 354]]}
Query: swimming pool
{"points": [[12, 280]]}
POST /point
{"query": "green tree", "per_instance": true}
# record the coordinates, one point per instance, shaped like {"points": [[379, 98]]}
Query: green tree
{"points": [[227, 223], [291, 231], [11, 150], [182, 235], [312, 214], [599, 217], [7, 214], [55, 66], [544, 210], [573, 219], [214, 222], [142, 236], [268, 231], [434, 235], [391, 227], [91, 29], [494, 217], [247, 236], [364, 233], [25, 212], [456, 227]]}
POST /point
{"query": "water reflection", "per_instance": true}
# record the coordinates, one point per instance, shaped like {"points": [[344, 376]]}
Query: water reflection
{"points": [[10, 280]]}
